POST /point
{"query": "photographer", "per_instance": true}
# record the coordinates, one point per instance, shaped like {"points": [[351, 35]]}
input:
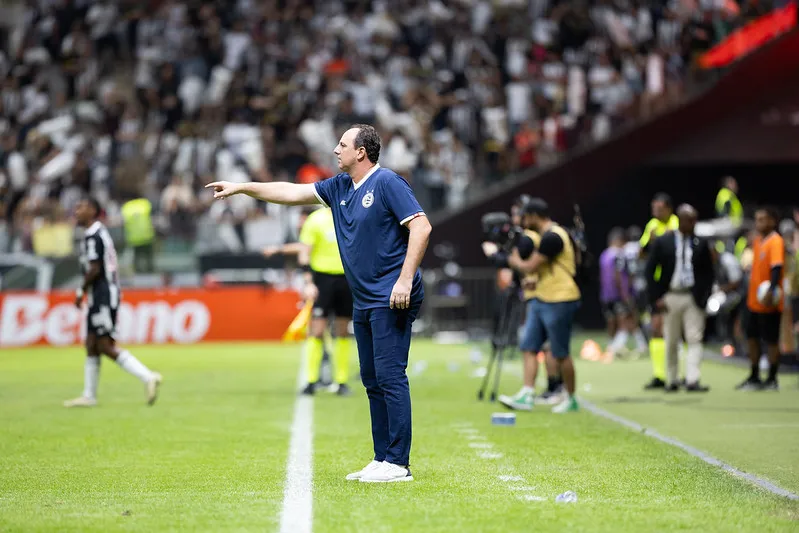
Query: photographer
{"points": [[523, 242], [501, 232], [557, 296]]}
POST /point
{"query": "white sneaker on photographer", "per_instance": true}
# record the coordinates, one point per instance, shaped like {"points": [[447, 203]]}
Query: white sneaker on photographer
{"points": [[362, 472], [387, 473], [522, 401]]}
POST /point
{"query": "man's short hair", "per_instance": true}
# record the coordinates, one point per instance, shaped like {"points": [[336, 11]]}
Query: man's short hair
{"points": [[98, 209], [536, 206], [616, 234], [634, 233], [771, 211], [665, 198], [368, 139]]}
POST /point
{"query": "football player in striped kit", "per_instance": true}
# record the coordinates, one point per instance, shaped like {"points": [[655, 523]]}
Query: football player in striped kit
{"points": [[98, 260]]}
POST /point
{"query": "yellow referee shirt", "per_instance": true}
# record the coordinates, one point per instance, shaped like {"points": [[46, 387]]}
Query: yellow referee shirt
{"points": [[656, 228], [319, 233]]}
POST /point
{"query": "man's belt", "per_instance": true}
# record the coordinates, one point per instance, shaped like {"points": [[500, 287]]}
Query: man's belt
{"points": [[684, 290]]}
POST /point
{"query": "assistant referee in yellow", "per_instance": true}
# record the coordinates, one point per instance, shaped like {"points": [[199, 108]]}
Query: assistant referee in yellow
{"points": [[326, 286], [663, 220]]}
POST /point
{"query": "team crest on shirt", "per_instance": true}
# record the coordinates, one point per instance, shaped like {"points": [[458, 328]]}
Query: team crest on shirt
{"points": [[368, 199]]}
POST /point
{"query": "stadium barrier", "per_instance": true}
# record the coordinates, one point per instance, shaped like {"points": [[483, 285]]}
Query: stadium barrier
{"points": [[182, 316], [464, 302]]}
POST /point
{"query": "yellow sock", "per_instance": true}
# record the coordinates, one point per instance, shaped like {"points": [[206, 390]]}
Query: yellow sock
{"points": [[341, 359], [315, 351], [657, 352]]}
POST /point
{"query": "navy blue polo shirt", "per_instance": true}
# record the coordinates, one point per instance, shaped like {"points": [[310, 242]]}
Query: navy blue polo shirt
{"points": [[369, 219]]}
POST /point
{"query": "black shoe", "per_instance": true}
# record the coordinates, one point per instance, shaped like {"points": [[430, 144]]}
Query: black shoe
{"points": [[309, 389], [550, 397], [656, 383], [696, 387], [343, 390], [750, 384], [770, 384], [672, 388]]}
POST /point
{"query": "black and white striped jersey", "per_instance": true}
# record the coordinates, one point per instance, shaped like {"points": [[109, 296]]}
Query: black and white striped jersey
{"points": [[97, 245]]}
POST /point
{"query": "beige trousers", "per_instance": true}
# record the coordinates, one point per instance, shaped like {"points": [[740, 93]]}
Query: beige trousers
{"points": [[683, 316]]}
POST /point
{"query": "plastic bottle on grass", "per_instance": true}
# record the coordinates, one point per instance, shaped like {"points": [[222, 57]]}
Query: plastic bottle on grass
{"points": [[567, 497]]}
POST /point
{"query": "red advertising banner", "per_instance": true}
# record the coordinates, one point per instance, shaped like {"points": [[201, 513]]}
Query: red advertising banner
{"points": [[755, 34], [182, 316]]}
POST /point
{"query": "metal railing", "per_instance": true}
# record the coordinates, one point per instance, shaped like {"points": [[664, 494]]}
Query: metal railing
{"points": [[465, 300], [26, 271]]}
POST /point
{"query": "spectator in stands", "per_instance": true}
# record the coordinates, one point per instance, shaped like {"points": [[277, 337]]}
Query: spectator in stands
{"points": [[5, 234], [525, 142], [180, 85], [52, 233], [140, 232]]}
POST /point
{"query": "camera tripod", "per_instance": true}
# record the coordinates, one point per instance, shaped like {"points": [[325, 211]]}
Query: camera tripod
{"points": [[503, 338]]}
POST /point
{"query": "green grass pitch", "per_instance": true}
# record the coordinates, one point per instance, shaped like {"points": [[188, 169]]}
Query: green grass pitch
{"points": [[211, 454]]}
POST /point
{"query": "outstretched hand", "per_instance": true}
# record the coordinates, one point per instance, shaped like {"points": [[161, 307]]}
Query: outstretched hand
{"points": [[223, 189]]}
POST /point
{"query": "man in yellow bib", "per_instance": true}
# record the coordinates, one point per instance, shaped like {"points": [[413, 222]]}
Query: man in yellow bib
{"points": [[727, 202], [139, 232], [326, 285], [663, 220], [557, 296]]}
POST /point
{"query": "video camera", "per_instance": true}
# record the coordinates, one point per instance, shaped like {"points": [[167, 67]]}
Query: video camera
{"points": [[499, 229]]}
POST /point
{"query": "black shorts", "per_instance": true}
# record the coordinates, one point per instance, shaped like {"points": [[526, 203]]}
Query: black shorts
{"points": [[641, 302], [101, 319], [764, 326], [334, 296]]}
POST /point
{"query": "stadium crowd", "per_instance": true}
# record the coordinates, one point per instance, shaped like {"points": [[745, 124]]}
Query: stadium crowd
{"points": [[134, 99]]}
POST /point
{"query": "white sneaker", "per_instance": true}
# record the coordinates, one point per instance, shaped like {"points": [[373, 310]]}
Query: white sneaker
{"points": [[569, 405], [82, 401], [152, 388], [365, 470], [523, 401], [387, 473]]}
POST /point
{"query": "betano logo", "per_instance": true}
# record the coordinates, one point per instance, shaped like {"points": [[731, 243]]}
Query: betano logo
{"points": [[29, 319]]}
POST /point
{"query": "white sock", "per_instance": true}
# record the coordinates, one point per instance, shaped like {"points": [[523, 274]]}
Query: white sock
{"points": [[133, 366], [527, 390], [619, 341], [640, 340], [91, 376]]}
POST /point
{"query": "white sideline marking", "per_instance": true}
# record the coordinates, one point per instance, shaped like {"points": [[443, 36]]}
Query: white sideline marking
{"points": [[297, 513], [512, 482], [508, 479], [489, 455], [709, 459], [531, 498]]}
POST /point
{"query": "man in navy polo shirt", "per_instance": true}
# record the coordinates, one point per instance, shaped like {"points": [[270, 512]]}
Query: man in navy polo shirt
{"points": [[382, 235]]}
